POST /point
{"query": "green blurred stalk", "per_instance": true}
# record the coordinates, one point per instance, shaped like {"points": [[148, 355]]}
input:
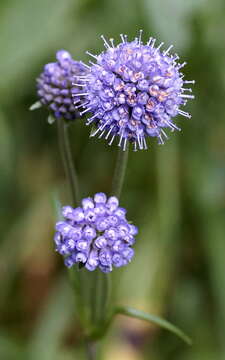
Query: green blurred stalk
{"points": [[120, 170], [67, 160]]}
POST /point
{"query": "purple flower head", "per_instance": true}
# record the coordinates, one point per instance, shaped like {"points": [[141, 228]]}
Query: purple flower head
{"points": [[134, 91], [98, 239], [55, 85]]}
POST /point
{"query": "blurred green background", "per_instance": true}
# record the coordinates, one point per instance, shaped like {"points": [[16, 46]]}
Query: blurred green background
{"points": [[175, 193]]}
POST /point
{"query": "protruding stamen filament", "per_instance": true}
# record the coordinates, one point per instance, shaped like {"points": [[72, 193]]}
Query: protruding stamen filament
{"points": [[148, 44], [87, 66], [122, 38], [160, 45], [111, 141], [172, 126], [181, 65], [102, 134], [145, 144], [84, 111], [168, 50], [90, 120], [121, 138], [189, 81], [95, 132], [81, 105], [161, 142], [81, 85], [165, 134], [104, 125], [186, 96], [185, 89], [109, 132], [153, 43], [105, 42], [81, 94], [140, 35], [90, 54], [112, 42], [185, 114], [125, 144]]}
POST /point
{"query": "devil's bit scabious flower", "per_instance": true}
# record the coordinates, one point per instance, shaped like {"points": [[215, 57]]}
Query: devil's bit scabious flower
{"points": [[97, 234], [134, 91], [55, 85]]}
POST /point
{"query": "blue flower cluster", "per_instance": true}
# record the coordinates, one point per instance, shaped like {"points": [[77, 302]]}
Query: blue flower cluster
{"points": [[55, 85], [134, 91], [97, 234]]}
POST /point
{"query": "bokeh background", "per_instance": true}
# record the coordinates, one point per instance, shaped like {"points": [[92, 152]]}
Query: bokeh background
{"points": [[175, 193]]}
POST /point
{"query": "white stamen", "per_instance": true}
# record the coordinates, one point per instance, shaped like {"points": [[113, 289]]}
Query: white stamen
{"points": [[185, 114], [90, 120], [153, 43], [139, 142], [148, 44], [105, 42], [122, 38], [76, 102], [135, 146], [86, 65], [84, 111], [168, 50], [95, 132], [185, 89], [161, 142], [186, 96], [110, 130], [121, 138], [172, 126], [189, 81], [125, 144], [102, 134], [81, 105], [105, 124], [82, 85], [74, 95], [160, 45], [181, 65], [140, 35], [111, 141], [175, 58], [90, 54], [112, 42], [92, 63], [145, 144], [165, 134]]}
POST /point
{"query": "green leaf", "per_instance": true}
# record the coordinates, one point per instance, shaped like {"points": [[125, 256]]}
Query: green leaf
{"points": [[138, 314], [35, 106]]}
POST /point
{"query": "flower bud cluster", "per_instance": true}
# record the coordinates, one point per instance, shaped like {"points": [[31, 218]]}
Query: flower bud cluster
{"points": [[97, 234]]}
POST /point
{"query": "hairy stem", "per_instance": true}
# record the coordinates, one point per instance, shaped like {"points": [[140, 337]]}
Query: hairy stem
{"points": [[120, 170], [67, 160]]}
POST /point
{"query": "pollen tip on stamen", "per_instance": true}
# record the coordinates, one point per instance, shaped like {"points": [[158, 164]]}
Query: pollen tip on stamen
{"points": [[107, 46], [140, 36]]}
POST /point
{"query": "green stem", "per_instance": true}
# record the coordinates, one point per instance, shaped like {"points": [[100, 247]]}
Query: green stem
{"points": [[66, 155], [120, 170]]}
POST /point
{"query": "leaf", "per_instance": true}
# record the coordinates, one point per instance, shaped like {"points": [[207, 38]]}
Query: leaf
{"points": [[35, 106], [52, 322], [138, 314]]}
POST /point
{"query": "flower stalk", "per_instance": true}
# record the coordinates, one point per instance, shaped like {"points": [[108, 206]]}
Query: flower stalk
{"points": [[120, 171], [67, 160]]}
